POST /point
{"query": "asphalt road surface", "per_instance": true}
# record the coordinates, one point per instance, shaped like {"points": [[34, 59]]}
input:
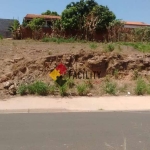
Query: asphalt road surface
{"points": [[75, 131]]}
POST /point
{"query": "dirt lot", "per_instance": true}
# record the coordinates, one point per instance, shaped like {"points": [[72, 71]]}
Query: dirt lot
{"points": [[26, 61]]}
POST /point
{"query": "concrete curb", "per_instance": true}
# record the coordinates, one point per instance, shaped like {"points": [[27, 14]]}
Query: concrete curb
{"points": [[22, 111]]}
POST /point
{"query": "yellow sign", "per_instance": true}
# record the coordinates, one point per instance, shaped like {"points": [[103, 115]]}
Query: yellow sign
{"points": [[54, 74]]}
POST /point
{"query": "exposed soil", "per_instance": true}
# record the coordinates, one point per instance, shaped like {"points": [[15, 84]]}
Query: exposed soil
{"points": [[25, 61]]}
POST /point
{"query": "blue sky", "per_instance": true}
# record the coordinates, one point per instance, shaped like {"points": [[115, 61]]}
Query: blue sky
{"points": [[127, 10]]}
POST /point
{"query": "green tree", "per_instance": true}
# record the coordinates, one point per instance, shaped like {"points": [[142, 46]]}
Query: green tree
{"points": [[52, 13], [36, 24], [79, 15], [14, 26], [24, 23]]}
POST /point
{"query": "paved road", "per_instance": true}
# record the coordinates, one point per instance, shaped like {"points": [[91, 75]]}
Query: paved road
{"points": [[75, 131]]}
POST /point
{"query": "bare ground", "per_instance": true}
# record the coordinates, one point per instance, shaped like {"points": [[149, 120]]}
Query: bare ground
{"points": [[15, 54]]}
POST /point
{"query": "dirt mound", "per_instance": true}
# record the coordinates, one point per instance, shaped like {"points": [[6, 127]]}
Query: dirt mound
{"points": [[27, 71]]}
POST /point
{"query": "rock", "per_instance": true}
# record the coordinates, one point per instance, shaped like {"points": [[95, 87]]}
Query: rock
{"points": [[3, 78], [89, 94], [18, 59], [7, 84], [12, 90]]}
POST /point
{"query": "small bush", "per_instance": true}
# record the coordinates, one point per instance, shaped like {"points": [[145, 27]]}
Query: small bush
{"points": [[22, 90], [135, 75], [148, 89], [51, 89], [116, 73], [63, 90], [93, 46], [110, 88], [41, 88], [32, 89], [141, 87], [46, 39], [70, 82], [82, 89], [59, 40], [1, 37], [110, 48]]}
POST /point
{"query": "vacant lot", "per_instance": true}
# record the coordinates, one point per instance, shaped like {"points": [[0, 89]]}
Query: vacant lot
{"points": [[26, 61]]}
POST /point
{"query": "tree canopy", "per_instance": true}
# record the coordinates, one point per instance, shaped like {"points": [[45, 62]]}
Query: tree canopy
{"points": [[36, 23], [86, 13], [52, 13]]}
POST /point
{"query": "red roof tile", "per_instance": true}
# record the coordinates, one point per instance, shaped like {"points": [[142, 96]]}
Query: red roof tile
{"points": [[136, 23], [31, 16]]}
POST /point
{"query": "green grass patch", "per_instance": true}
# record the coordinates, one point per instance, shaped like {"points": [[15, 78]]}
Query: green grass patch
{"points": [[141, 46], [109, 47], [93, 45], [141, 87], [110, 87], [22, 89], [1, 37], [82, 89], [38, 87], [63, 90]]}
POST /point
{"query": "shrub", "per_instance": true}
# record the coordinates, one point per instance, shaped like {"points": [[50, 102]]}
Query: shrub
{"points": [[93, 45], [41, 88], [22, 90], [110, 88], [63, 90], [70, 82], [82, 89], [110, 48], [116, 73], [141, 87], [135, 75], [1, 37], [148, 89], [52, 89], [59, 40], [31, 89], [46, 39]]}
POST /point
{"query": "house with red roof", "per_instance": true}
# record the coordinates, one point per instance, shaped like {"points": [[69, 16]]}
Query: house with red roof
{"points": [[48, 18], [129, 24]]}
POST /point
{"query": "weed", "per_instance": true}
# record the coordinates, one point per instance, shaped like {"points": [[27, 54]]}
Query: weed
{"points": [[135, 75], [39, 88], [110, 88], [58, 40], [49, 53], [110, 47], [51, 89], [89, 84], [70, 82], [116, 73], [148, 89], [119, 48], [93, 45], [82, 89], [46, 39], [1, 37], [31, 89], [141, 87], [143, 47], [22, 90], [63, 90]]}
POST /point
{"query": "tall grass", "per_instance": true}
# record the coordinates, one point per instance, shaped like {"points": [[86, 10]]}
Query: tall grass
{"points": [[82, 89], [143, 47]]}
